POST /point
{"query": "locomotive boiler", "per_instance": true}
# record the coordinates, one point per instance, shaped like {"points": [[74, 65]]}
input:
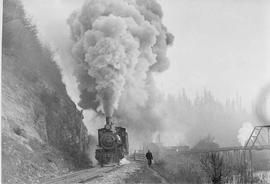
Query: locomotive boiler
{"points": [[112, 144]]}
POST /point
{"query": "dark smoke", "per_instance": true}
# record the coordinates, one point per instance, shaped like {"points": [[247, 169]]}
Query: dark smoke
{"points": [[117, 45]]}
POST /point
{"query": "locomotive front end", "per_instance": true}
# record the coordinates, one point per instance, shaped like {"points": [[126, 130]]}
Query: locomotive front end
{"points": [[112, 144]]}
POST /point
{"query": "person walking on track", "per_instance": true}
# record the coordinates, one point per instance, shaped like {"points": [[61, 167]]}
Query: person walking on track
{"points": [[149, 157]]}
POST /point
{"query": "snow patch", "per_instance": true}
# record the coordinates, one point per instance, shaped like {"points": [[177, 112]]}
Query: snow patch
{"points": [[124, 161]]}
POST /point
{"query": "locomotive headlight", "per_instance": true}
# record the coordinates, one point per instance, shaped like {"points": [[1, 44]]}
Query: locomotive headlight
{"points": [[107, 127]]}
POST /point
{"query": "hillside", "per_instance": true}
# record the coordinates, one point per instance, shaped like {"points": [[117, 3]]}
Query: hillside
{"points": [[42, 131]]}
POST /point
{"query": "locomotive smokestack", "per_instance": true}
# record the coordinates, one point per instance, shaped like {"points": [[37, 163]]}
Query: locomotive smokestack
{"points": [[108, 120]]}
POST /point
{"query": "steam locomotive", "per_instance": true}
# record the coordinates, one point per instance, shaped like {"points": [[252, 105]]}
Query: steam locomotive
{"points": [[112, 144]]}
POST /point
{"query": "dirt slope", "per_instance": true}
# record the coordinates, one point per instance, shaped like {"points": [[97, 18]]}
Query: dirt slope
{"points": [[42, 131]]}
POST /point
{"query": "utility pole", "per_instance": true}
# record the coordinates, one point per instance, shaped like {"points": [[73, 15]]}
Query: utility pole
{"points": [[81, 149], [251, 166]]}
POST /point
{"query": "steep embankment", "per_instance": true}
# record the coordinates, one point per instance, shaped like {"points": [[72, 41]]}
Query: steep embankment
{"points": [[42, 131]]}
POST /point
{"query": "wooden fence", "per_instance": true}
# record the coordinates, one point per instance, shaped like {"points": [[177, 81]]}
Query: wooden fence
{"points": [[137, 156]]}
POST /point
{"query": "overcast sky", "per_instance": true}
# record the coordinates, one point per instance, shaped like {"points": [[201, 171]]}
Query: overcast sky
{"points": [[221, 45]]}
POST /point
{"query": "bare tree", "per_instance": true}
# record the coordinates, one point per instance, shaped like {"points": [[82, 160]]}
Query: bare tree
{"points": [[215, 167]]}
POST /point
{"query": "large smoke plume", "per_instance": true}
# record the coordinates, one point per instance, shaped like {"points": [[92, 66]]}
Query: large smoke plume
{"points": [[117, 45]]}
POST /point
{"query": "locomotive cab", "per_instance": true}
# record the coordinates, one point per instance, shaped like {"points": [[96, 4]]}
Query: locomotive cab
{"points": [[124, 137]]}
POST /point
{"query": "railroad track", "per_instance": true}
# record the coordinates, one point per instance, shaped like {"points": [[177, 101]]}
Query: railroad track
{"points": [[82, 176]]}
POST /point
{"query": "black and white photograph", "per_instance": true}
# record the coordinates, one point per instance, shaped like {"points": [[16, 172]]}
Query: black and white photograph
{"points": [[135, 91]]}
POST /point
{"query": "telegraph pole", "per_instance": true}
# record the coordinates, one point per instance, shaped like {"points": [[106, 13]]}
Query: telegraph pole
{"points": [[82, 117]]}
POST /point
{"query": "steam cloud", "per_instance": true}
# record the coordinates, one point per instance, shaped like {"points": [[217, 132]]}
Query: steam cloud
{"points": [[117, 45], [244, 133]]}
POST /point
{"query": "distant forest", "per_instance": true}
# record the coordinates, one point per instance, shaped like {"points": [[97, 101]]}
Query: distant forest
{"points": [[203, 116]]}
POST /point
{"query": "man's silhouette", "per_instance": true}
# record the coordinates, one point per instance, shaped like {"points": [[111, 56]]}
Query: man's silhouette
{"points": [[149, 157]]}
